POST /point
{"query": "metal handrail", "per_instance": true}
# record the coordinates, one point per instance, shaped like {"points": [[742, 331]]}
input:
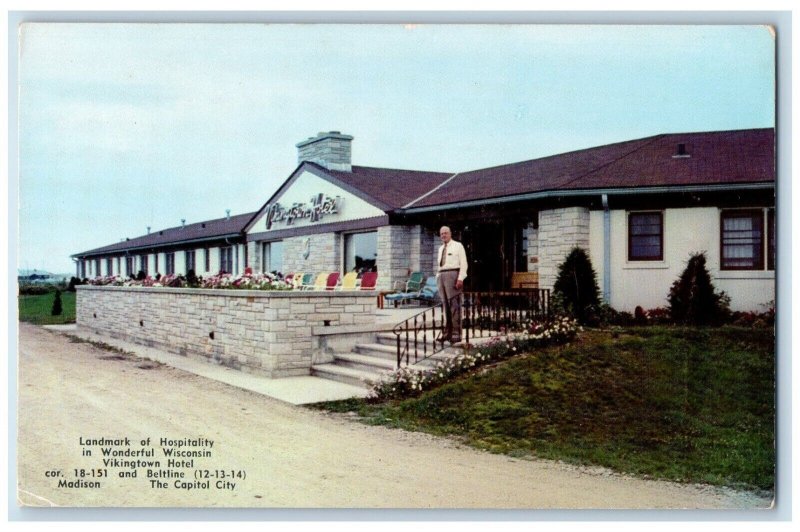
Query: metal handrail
{"points": [[484, 314]]}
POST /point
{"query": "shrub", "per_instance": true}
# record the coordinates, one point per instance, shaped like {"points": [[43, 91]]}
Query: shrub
{"points": [[191, 279], [57, 309], [577, 284], [34, 289], [73, 282], [693, 299], [755, 319], [658, 316]]}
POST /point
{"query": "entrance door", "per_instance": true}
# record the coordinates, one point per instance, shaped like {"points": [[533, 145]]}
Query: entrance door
{"points": [[495, 249]]}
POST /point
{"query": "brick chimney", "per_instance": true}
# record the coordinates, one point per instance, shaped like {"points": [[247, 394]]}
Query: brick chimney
{"points": [[330, 149]]}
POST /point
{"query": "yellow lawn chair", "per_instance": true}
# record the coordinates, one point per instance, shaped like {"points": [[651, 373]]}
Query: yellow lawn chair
{"points": [[348, 281], [320, 282]]}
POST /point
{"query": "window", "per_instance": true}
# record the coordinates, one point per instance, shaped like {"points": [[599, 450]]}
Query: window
{"points": [[143, 264], [361, 252], [771, 239], [742, 240], [645, 236], [272, 257], [208, 259], [190, 261], [170, 263], [226, 259], [109, 266], [97, 267], [129, 267]]}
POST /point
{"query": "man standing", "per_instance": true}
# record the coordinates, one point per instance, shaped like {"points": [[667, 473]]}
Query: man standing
{"points": [[450, 279]]}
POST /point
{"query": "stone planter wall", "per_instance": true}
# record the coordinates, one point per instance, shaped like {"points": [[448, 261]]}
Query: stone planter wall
{"points": [[269, 333]]}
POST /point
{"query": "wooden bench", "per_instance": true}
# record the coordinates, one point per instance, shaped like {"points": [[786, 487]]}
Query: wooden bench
{"points": [[525, 280]]}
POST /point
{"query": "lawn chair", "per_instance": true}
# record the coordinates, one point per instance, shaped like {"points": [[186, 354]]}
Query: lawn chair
{"points": [[332, 281], [348, 281], [320, 282], [415, 292], [369, 280], [430, 291], [307, 282], [296, 280], [413, 284]]}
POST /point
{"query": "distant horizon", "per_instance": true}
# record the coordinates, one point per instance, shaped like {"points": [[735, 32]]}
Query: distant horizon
{"points": [[174, 121]]}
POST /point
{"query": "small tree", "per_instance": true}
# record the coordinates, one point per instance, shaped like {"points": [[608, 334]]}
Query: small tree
{"points": [[693, 299], [57, 310], [576, 284]]}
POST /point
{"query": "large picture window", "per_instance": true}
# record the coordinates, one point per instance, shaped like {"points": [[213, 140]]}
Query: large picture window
{"points": [[361, 252], [742, 240], [645, 236], [272, 257]]}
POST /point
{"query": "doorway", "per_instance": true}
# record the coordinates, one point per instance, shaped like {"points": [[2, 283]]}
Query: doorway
{"points": [[495, 250]]}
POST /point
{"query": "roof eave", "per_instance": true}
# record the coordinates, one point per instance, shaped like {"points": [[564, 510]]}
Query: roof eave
{"points": [[588, 192], [159, 245]]}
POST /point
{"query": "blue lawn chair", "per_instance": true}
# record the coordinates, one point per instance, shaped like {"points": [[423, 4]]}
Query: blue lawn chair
{"points": [[430, 292], [414, 294]]}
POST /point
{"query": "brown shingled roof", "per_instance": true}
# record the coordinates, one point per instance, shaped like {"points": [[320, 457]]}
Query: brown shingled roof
{"points": [[207, 230], [394, 188], [721, 157]]}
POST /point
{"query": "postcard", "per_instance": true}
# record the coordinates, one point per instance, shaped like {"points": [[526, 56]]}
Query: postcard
{"points": [[397, 266]]}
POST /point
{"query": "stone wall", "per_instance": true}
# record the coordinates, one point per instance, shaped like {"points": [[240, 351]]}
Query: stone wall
{"points": [[402, 250], [560, 230], [324, 253], [268, 333]]}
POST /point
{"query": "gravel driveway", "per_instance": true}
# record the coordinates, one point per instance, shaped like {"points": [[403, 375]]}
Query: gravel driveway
{"points": [[76, 399]]}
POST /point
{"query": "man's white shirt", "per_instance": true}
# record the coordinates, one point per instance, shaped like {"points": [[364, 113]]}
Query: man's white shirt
{"points": [[456, 259]]}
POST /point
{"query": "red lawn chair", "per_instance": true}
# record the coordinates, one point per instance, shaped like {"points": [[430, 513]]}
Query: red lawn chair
{"points": [[369, 280], [333, 280]]}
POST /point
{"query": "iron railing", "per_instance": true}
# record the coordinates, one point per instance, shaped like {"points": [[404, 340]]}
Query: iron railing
{"points": [[483, 315]]}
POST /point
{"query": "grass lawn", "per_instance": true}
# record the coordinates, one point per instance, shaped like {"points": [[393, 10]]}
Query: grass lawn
{"points": [[673, 403], [36, 309]]}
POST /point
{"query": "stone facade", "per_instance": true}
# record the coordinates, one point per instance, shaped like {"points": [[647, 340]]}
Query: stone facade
{"points": [[268, 333], [560, 230], [401, 250], [324, 253]]}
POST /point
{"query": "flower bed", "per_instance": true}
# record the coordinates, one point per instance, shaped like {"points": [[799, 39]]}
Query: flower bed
{"points": [[410, 381], [246, 281]]}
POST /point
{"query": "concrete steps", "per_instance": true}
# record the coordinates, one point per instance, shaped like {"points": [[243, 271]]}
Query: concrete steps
{"points": [[340, 373], [369, 361]]}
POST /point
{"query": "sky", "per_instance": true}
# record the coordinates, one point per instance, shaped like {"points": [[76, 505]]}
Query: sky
{"points": [[124, 126]]}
